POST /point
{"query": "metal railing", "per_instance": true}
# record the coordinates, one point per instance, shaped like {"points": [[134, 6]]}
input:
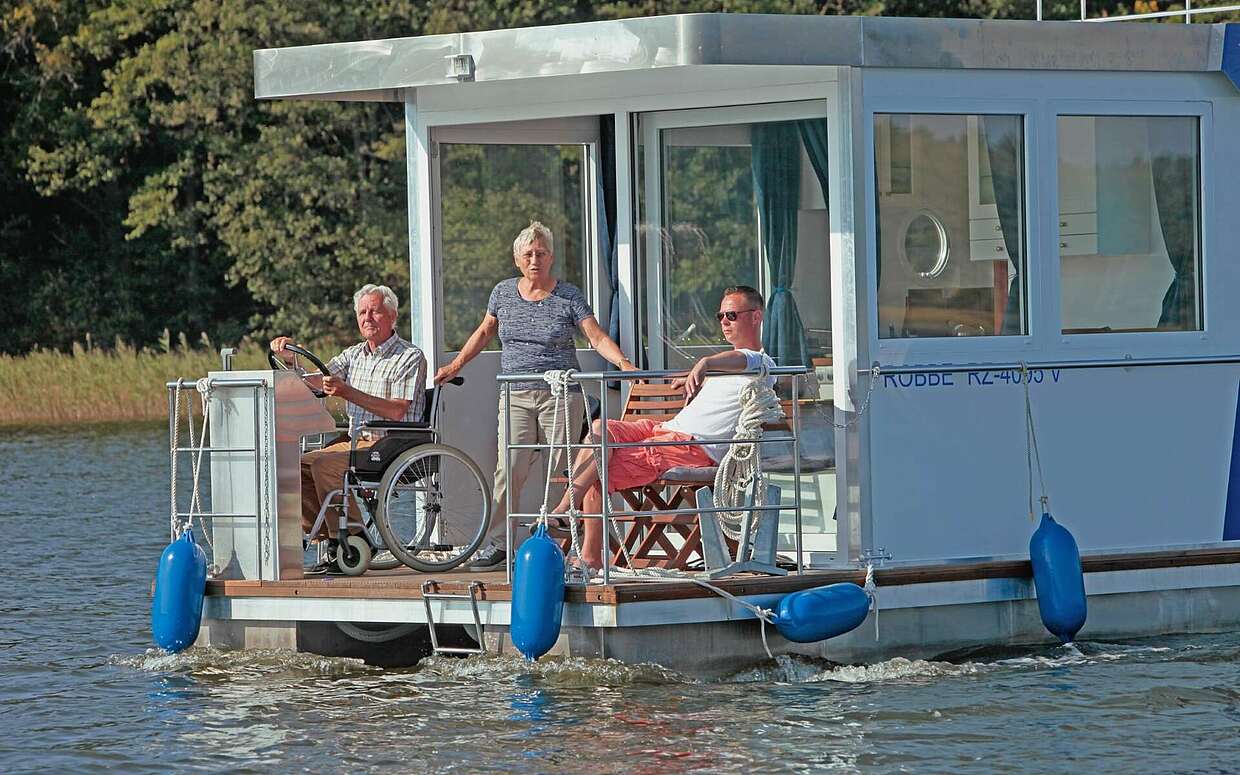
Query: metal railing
{"points": [[257, 386], [602, 447], [1187, 13]]}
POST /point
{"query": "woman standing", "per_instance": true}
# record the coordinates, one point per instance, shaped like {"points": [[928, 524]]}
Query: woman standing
{"points": [[536, 317]]}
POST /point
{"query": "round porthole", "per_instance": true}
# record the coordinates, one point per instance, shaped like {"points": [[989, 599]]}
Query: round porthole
{"points": [[925, 245]]}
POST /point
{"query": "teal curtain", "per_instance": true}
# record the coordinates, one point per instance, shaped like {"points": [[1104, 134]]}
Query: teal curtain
{"points": [[1173, 147], [776, 163], [1002, 136]]}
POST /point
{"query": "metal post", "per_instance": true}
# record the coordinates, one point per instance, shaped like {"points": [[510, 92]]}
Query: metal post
{"points": [[605, 508], [260, 398], [1188, 11], [508, 482], [1083, 11], [796, 466], [1039, 10]]}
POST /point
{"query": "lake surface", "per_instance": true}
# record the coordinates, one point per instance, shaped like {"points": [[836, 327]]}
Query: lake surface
{"points": [[81, 688]]}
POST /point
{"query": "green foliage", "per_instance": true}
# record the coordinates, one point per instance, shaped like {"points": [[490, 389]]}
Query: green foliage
{"points": [[142, 188]]}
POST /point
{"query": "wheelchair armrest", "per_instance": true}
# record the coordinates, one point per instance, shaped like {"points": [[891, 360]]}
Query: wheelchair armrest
{"points": [[396, 426]]}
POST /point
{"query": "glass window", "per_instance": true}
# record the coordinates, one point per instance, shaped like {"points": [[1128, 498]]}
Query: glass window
{"points": [[1129, 242], [489, 194], [951, 229], [735, 204]]}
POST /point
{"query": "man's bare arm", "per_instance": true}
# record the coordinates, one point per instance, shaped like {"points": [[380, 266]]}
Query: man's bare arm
{"points": [[728, 360], [387, 408]]}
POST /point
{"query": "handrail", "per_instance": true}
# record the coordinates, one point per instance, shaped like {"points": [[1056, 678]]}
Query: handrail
{"points": [[216, 382], [630, 376], [1114, 363], [601, 378], [1188, 12]]}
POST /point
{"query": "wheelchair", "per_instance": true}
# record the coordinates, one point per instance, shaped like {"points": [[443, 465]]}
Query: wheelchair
{"points": [[421, 503]]}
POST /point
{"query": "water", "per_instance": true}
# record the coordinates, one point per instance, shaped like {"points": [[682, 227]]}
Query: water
{"points": [[81, 689]]}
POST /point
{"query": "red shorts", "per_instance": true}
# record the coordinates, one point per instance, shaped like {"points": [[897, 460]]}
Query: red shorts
{"points": [[630, 467]]}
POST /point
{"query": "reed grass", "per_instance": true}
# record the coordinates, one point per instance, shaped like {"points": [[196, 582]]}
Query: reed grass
{"points": [[92, 384]]}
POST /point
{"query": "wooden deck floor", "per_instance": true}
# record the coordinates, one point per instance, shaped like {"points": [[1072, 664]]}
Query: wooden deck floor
{"points": [[407, 584]]}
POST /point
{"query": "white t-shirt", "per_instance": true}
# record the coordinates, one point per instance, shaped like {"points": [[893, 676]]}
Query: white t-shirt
{"points": [[713, 412]]}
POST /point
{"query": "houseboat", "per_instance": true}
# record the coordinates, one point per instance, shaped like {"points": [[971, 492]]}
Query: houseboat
{"points": [[965, 230]]}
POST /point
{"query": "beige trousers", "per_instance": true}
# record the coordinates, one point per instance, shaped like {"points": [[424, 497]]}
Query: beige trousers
{"points": [[322, 470], [534, 421]]}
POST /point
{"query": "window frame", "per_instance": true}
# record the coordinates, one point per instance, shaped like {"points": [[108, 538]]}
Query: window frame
{"points": [[650, 125], [948, 349], [582, 130], [1134, 343]]}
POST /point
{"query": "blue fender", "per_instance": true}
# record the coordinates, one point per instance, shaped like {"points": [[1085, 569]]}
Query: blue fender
{"points": [[822, 612], [1058, 579], [180, 582], [537, 595]]}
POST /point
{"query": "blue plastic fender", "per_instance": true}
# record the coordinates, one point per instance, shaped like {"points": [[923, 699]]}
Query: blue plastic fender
{"points": [[180, 582], [537, 595], [822, 612], [1058, 579]]}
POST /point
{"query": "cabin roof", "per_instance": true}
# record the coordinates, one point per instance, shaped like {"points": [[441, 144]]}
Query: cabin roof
{"points": [[379, 69]]}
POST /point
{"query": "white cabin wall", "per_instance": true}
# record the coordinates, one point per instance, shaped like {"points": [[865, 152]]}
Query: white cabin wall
{"points": [[1133, 458]]}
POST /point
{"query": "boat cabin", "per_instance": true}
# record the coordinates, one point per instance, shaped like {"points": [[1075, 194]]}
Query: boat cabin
{"points": [[962, 195]]}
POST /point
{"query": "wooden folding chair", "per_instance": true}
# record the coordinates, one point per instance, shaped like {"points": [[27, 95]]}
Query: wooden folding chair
{"points": [[650, 540]]}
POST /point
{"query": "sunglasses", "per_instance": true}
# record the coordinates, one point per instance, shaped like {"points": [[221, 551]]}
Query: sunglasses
{"points": [[732, 314]]}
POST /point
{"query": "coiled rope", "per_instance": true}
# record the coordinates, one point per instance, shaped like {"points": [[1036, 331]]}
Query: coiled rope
{"points": [[740, 470], [558, 380]]}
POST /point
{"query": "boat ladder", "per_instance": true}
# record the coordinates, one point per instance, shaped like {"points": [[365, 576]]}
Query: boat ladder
{"points": [[428, 594]]}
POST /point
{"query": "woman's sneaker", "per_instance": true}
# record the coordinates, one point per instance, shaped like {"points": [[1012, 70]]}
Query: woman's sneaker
{"points": [[489, 557]]}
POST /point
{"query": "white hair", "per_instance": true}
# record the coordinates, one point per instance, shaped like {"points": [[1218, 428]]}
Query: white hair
{"points": [[389, 296], [535, 231]]}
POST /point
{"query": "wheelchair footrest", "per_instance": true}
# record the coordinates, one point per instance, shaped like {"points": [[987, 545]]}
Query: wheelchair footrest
{"points": [[428, 594]]}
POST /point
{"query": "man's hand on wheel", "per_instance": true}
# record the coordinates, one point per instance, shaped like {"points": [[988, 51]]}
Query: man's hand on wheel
{"points": [[277, 347], [335, 386]]}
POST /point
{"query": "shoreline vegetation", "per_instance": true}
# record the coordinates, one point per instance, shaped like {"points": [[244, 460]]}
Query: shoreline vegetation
{"points": [[92, 385]]}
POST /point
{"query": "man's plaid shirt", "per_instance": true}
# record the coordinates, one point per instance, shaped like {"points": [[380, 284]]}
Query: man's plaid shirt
{"points": [[396, 369]]}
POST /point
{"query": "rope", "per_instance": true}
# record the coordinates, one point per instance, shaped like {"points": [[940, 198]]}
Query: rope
{"points": [[740, 470], [174, 523], [199, 445], [559, 380], [1031, 448], [871, 591]]}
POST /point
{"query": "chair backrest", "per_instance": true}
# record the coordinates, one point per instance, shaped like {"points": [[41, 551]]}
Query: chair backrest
{"points": [[657, 401]]}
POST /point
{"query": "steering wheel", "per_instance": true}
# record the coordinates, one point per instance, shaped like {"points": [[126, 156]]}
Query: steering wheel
{"points": [[276, 363]]}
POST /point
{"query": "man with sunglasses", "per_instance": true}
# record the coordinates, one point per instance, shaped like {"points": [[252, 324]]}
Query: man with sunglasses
{"points": [[712, 411]]}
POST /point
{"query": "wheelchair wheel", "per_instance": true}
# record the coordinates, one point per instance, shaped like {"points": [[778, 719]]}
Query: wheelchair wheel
{"points": [[353, 556], [434, 507], [379, 559]]}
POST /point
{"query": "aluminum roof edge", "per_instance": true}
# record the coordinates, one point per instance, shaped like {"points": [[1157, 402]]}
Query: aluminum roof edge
{"points": [[349, 70]]}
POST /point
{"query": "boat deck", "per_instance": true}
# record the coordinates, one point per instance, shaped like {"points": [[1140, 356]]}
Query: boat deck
{"points": [[406, 584]]}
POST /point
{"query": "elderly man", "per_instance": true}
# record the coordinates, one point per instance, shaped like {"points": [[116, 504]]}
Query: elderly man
{"points": [[711, 413], [382, 377]]}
